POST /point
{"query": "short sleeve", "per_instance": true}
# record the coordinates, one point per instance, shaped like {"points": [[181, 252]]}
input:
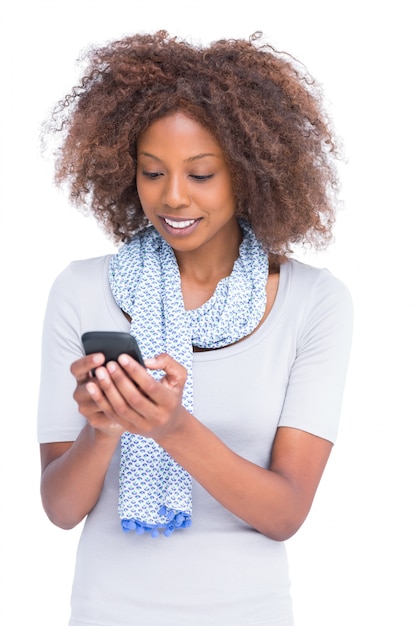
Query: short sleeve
{"points": [[58, 416], [317, 378]]}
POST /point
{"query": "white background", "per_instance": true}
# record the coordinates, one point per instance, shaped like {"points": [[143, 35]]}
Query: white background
{"points": [[354, 560]]}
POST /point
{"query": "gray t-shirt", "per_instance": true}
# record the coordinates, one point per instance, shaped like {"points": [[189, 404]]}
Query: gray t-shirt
{"points": [[220, 572]]}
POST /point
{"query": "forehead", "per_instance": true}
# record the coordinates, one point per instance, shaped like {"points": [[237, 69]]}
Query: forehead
{"points": [[180, 132]]}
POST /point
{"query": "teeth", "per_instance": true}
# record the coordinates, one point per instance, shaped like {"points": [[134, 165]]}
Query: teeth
{"points": [[179, 224]]}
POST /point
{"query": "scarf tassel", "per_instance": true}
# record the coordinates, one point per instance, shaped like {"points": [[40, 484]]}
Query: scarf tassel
{"points": [[176, 520]]}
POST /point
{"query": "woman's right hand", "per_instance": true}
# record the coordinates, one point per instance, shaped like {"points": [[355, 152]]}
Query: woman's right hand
{"points": [[73, 472], [87, 390]]}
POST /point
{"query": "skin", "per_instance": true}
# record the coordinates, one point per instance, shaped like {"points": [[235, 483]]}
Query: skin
{"points": [[187, 179], [182, 176]]}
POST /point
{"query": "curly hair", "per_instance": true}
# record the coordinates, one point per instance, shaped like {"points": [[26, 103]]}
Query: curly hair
{"points": [[261, 105]]}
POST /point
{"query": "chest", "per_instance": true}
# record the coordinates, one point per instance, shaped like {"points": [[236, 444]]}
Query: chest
{"points": [[239, 392]]}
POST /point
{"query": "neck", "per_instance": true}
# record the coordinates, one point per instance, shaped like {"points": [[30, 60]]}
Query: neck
{"points": [[213, 261], [202, 269]]}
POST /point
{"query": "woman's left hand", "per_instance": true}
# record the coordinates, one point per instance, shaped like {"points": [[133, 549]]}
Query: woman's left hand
{"points": [[138, 402]]}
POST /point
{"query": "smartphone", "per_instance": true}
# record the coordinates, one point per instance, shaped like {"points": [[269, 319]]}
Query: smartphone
{"points": [[111, 344]]}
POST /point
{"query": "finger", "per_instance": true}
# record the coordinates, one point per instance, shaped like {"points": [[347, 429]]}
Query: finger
{"points": [[127, 403], [127, 394], [101, 417], [81, 368], [145, 406], [162, 392], [91, 402], [175, 373], [100, 400]]}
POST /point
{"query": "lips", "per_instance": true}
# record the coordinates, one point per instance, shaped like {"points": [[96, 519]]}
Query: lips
{"points": [[179, 224], [179, 227]]}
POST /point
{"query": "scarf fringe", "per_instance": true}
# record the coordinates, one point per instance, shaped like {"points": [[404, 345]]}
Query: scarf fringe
{"points": [[176, 520]]}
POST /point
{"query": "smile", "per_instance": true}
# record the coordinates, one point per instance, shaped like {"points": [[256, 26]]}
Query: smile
{"points": [[179, 225]]}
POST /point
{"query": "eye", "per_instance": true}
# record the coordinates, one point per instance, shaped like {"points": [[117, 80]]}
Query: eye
{"points": [[151, 175], [201, 177]]}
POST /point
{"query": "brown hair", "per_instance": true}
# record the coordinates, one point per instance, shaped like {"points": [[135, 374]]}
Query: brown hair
{"points": [[261, 105]]}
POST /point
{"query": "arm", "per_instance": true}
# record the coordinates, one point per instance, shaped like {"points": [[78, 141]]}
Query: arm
{"points": [[78, 440], [275, 501], [73, 472]]}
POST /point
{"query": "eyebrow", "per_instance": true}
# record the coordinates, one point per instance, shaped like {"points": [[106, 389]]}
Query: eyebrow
{"points": [[189, 160]]}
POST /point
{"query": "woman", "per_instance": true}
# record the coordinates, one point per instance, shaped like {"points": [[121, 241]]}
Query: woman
{"points": [[208, 164]]}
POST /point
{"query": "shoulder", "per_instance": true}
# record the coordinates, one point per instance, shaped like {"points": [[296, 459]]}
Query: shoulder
{"points": [[86, 269], [314, 284], [306, 275], [316, 298], [77, 286], [80, 274]]}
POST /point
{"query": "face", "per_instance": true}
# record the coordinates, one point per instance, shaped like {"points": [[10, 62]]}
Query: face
{"points": [[184, 185]]}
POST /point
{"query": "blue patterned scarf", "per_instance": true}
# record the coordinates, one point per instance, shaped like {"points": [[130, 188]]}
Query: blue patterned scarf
{"points": [[154, 491]]}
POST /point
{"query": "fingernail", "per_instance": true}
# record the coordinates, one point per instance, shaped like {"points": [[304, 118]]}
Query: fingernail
{"points": [[91, 389], [150, 362], [123, 360]]}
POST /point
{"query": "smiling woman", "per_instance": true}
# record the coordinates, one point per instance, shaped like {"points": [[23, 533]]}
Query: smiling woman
{"points": [[208, 164], [185, 189]]}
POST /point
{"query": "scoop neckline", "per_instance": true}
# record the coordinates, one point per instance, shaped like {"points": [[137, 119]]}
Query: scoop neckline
{"points": [[245, 344], [260, 333]]}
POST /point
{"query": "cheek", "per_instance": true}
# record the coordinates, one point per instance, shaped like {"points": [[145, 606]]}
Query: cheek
{"points": [[226, 197], [145, 196], [219, 196]]}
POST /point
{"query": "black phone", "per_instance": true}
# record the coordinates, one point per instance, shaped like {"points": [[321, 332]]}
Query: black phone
{"points": [[111, 344]]}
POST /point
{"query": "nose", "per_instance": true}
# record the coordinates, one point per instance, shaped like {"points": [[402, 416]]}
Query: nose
{"points": [[175, 193]]}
